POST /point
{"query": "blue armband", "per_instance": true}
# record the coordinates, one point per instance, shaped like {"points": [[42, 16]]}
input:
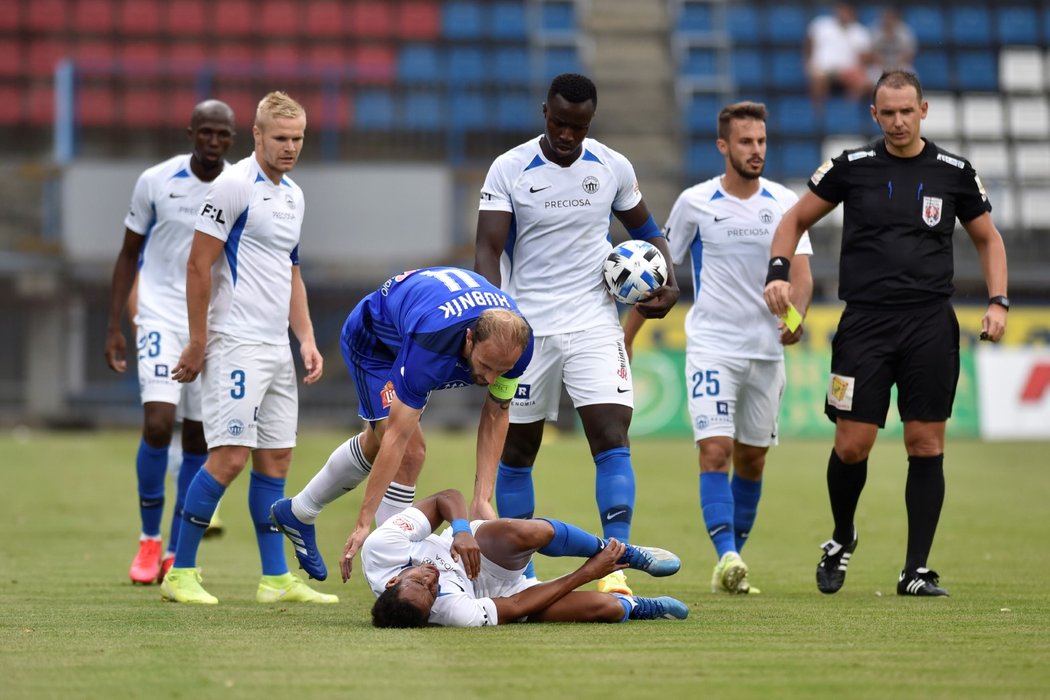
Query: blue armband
{"points": [[460, 525], [647, 230]]}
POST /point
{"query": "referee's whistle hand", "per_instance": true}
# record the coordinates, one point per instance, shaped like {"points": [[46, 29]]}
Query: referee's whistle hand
{"points": [[778, 297], [993, 325]]}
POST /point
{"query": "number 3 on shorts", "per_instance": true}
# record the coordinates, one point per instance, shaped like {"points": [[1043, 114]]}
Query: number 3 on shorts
{"points": [[237, 392]]}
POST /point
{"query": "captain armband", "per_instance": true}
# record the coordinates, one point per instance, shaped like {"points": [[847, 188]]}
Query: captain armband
{"points": [[503, 389]]}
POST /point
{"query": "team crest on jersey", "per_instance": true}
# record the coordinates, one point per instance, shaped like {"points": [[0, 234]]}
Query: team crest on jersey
{"points": [[235, 427], [931, 210], [591, 184], [765, 216], [290, 201], [386, 394]]}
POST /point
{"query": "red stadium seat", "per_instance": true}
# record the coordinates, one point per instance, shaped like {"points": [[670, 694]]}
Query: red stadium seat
{"points": [[96, 105], [139, 57], [145, 107], [186, 18], [178, 106], [418, 19], [374, 65], [40, 104], [140, 18], [243, 103], [46, 15], [93, 16], [280, 60], [324, 18], [233, 18], [94, 56], [279, 18], [11, 99], [10, 57], [326, 110], [43, 56], [234, 59], [369, 18], [11, 15], [327, 58], [186, 58]]}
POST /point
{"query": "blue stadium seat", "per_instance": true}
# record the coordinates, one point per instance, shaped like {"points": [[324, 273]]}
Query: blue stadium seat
{"points": [[374, 110], [786, 24], [748, 69], [977, 70], [701, 115], [510, 65], [700, 62], [798, 159], [467, 64], [420, 63], [558, 17], [743, 24], [1017, 25], [845, 116], [927, 23], [424, 111], [971, 25], [788, 72], [794, 114], [461, 19], [704, 161], [696, 18], [934, 69], [469, 110], [556, 60], [508, 21], [518, 111]]}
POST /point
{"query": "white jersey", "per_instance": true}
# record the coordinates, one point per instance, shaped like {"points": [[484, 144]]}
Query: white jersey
{"points": [[164, 207], [559, 238], [260, 223], [406, 540], [728, 239]]}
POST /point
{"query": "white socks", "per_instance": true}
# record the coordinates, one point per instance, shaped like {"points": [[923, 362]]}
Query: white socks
{"points": [[344, 470], [397, 498]]}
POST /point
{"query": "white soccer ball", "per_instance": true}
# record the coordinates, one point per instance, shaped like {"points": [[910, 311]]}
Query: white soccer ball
{"points": [[633, 268]]}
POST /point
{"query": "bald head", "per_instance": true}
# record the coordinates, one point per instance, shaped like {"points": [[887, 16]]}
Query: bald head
{"points": [[211, 133], [211, 111]]}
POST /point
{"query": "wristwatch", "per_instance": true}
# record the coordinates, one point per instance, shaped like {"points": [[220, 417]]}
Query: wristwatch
{"points": [[1002, 300]]}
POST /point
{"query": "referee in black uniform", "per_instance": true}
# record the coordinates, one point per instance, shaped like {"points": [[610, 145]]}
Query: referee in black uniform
{"points": [[901, 196]]}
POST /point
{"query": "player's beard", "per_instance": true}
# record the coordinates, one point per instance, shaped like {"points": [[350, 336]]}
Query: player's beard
{"points": [[745, 172]]}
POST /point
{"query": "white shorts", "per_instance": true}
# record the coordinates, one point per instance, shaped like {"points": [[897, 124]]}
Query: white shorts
{"points": [[493, 580], [592, 364], [249, 394], [736, 398], [159, 351]]}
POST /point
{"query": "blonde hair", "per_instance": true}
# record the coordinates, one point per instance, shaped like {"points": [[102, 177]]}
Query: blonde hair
{"points": [[278, 105], [506, 328]]}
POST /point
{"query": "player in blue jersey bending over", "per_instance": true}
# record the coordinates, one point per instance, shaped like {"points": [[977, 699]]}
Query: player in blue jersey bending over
{"points": [[471, 574], [423, 330], [543, 234]]}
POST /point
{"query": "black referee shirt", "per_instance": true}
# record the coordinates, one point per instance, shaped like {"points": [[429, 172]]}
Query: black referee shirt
{"points": [[899, 217]]}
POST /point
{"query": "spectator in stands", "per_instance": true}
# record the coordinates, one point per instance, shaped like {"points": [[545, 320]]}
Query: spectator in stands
{"points": [[837, 51], [893, 45], [244, 289], [164, 207], [546, 206]]}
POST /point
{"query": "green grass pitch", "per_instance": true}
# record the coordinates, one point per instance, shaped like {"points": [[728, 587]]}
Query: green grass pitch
{"points": [[72, 626]]}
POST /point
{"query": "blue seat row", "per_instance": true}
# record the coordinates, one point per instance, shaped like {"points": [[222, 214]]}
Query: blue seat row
{"points": [[432, 111], [785, 159], [790, 114], [425, 63]]}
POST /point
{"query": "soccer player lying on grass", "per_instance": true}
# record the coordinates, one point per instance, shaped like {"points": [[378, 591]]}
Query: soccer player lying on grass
{"points": [[471, 575]]}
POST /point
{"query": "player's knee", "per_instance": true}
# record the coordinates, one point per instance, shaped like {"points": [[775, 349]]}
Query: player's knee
{"points": [[157, 430]]}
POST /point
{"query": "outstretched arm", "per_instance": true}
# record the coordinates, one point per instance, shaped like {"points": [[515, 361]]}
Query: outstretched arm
{"points": [[537, 598]]}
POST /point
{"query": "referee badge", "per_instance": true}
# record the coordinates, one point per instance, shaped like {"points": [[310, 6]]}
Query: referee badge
{"points": [[840, 392], [931, 210]]}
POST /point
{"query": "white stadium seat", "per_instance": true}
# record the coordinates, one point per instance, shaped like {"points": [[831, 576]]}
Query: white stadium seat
{"points": [[1029, 117], [1032, 162], [982, 116], [1035, 208], [990, 158], [942, 119], [1021, 69]]}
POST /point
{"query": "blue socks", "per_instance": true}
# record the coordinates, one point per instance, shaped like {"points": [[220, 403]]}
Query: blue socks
{"points": [[201, 498], [263, 492], [614, 492], [516, 497], [151, 465], [716, 502], [746, 494], [570, 541], [191, 464]]}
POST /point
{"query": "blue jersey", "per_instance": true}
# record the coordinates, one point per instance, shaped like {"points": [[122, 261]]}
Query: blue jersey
{"points": [[412, 330]]}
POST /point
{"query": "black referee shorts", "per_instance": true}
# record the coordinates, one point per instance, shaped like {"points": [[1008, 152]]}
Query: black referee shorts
{"points": [[916, 349]]}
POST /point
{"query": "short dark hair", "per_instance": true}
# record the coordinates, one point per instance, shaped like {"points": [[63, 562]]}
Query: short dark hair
{"points": [[897, 79], [573, 87], [390, 611], [739, 110]]}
